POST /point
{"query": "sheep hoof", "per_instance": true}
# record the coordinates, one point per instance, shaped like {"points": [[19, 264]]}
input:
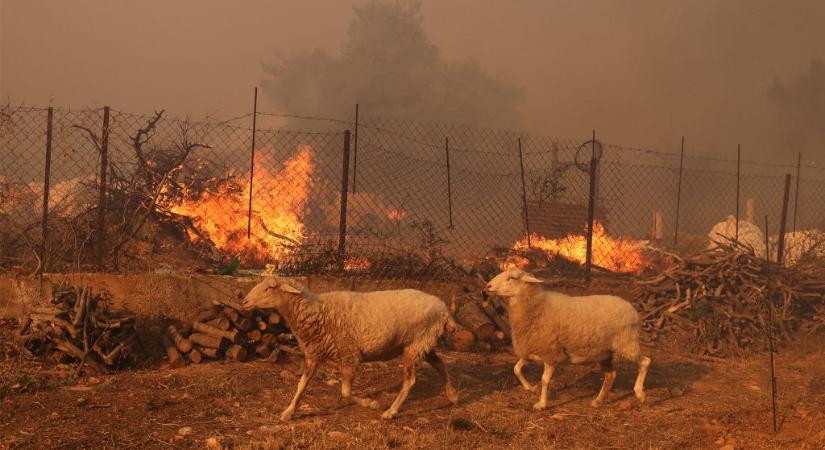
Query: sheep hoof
{"points": [[531, 388], [388, 414], [596, 403], [539, 406], [452, 395], [287, 414], [641, 396]]}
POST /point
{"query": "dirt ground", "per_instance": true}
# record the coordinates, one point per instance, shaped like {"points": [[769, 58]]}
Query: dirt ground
{"points": [[692, 403]]}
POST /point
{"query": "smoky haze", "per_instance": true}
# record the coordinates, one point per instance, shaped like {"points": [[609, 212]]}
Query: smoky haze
{"points": [[642, 74]]}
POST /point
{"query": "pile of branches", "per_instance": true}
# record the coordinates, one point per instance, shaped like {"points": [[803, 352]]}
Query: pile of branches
{"points": [[224, 330], [79, 328], [725, 296]]}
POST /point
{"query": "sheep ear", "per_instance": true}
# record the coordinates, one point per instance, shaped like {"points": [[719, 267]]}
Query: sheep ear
{"points": [[289, 288], [531, 279]]}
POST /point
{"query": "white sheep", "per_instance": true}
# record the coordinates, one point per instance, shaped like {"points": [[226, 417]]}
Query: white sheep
{"points": [[554, 328], [351, 327]]}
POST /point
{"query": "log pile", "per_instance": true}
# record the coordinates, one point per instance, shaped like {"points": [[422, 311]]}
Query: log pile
{"points": [[483, 322], [78, 327], [720, 296], [225, 331]]}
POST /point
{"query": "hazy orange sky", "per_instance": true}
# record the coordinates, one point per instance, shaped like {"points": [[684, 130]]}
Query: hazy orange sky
{"points": [[641, 73]]}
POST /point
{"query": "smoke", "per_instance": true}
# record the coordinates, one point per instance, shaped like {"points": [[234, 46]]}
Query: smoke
{"points": [[642, 74]]}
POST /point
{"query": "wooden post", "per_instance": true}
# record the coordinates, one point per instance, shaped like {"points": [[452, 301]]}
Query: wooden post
{"points": [[101, 203], [796, 192], [342, 223], [656, 225], [44, 232], [738, 173], [769, 296], [355, 151]]}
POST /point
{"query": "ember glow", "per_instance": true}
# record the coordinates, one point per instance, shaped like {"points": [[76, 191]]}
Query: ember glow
{"points": [[618, 255], [396, 214], [279, 198], [357, 263]]}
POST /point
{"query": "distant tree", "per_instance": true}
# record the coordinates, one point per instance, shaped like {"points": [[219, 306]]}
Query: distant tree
{"points": [[801, 105], [389, 66]]}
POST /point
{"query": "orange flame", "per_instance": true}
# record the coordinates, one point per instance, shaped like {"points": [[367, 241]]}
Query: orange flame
{"points": [[614, 254], [396, 214], [357, 263], [278, 201]]}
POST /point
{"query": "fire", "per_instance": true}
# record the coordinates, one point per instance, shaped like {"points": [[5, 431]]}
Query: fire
{"points": [[396, 214], [356, 263], [278, 201], [614, 254]]}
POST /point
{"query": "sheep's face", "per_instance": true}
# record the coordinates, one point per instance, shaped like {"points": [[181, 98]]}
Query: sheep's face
{"points": [[272, 292], [509, 283]]}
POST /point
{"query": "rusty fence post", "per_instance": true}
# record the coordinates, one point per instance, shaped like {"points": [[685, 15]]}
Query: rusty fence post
{"points": [[769, 297], [780, 250], [101, 204], [342, 224], [524, 194], [44, 232], [591, 211], [252, 163], [679, 194], [796, 192], [738, 176], [355, 151], [449, 181]]}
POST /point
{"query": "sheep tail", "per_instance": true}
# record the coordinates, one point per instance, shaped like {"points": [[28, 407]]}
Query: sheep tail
{"points": [[450, 325]]}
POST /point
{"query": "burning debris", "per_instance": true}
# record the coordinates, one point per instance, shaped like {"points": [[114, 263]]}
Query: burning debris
{"points": [[79, 327], [720, 297], [278, 202], [225, 331], [617, 255]]}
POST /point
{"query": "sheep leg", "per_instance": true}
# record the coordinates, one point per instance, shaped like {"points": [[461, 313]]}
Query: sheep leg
{"points": [[409, 381], [433, 359], [347, 374], [639, 388], [524, 383], [545, 383], [609, 377], [311, 365]]}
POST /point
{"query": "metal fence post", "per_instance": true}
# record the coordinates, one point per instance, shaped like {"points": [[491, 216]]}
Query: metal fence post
{"points": [[252, 163], [780, 251], [591, 212], [524, 194], [355, 151], [101, 204], [679, 194], [449, 182], [342, 224], [46, 179], [769, 296], [738, 173], [796, 193]]}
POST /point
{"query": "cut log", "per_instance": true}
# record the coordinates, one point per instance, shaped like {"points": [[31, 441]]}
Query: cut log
{"points": [[472, 317], [172, 353], [263, 349], [254, 336], [194, 356], [207, 315], [207, 352], [183, 344], [230, 335], [491, 312], [236, 353], [262, 325], [268, 338], [221, 323], [231, 314], [209, 341], [242, 323], [462, 339], [273, 319]]}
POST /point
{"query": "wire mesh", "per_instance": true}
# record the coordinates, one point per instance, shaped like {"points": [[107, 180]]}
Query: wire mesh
{"points": [[183, 195]]}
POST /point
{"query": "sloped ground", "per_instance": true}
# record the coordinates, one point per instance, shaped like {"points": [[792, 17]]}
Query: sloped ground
{"points": [[691, 404]]}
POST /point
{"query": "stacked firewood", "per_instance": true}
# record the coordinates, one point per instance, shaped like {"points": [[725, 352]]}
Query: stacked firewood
{"points": [[224, 330], [720, 296], [80, 328], [482, 320]]}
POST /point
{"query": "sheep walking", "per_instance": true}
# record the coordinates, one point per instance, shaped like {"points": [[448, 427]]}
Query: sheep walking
{"points": [[555, 328], [351, 327]]}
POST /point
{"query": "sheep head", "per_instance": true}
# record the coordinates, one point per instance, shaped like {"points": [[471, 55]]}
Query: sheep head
{"points": [[272, 292], [510, 282]]}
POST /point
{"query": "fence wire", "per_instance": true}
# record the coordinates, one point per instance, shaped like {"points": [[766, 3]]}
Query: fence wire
{"points": [[422, 200]]}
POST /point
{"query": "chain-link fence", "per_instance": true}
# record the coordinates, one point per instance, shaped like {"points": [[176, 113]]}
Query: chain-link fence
{"points": [[389, 199]]}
